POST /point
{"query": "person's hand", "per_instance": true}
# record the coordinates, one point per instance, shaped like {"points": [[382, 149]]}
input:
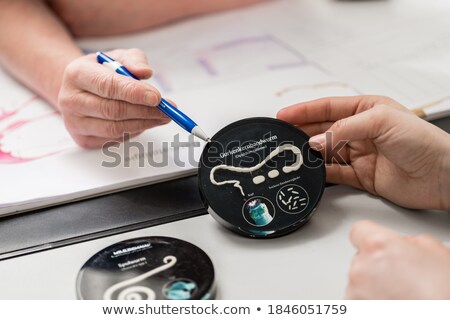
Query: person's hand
{"points": [[389, 266], [376, 144], [99, 106]]}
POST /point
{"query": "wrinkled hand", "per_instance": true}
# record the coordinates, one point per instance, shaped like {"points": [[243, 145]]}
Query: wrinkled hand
{"points": [[389, 266], [99, 105], [376, 144]]}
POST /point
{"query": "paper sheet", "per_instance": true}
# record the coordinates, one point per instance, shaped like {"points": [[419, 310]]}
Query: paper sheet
{"points": [[395, 48]]}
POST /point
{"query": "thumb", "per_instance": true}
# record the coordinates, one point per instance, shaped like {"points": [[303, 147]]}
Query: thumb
{"points": [[368, 124], [367, 234], [136, 61]]}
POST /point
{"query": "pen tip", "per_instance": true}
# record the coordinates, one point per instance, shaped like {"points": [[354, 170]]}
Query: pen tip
{"points": [[196, 131]]}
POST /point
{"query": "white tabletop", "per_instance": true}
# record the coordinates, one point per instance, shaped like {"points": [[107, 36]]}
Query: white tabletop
{"points": [[310, 263]]}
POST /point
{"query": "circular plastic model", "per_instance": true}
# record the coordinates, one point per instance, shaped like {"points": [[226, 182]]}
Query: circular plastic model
{"points": [[260, 178], [148, 268]]}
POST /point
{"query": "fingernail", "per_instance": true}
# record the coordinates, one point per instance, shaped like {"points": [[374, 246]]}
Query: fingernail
{"points": [[143, 67], [280, 114], [151, 98], [317, 142]]}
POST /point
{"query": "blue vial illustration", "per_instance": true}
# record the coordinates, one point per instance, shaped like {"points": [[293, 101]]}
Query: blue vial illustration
{"points": [[259, 213], [180, 290]]}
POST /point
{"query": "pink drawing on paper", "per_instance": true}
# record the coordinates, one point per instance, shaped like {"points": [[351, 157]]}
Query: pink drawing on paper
{"points": [[22, 133]]}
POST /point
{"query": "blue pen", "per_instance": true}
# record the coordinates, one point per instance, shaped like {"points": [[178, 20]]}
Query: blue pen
{"points": [[173, 113]]}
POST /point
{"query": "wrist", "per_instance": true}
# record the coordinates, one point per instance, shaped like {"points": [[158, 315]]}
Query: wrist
{"points": [[58, 66]]}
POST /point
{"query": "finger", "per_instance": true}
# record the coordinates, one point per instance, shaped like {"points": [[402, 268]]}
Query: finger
{"points": [[326, 109], [370, 124], [312, 129], [171, 102], [342, 174], [134, 60], [103, 82], [332, 152], [369, 235], [356, 293], [338, 155], [426, 241], [91, 142], [89, 105], [351, 294], [356, 278], [110, 129]]}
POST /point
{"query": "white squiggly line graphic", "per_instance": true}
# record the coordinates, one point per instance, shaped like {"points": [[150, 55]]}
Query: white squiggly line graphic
{"points": [[237, 184], [133, 293]]}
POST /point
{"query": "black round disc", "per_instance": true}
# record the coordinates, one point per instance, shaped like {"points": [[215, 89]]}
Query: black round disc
{"points": [[148, 268], [250, 180]]}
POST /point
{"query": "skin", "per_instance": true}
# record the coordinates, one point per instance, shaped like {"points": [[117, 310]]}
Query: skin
{"points": [[37, 47], [94, 18], [385, 149], [98, 105], [389, 266]]}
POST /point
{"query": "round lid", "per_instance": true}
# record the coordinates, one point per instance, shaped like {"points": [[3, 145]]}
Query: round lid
{"points": [[146, 269], [260, 178]]}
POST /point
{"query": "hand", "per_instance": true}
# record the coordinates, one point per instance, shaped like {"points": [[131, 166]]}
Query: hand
{"points": [[388, 266], [99, 105], [375, 144]]}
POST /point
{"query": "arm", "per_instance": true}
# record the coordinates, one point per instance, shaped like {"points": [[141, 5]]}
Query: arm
{"points": [[99, 18], [97, 105], [35, 46]]}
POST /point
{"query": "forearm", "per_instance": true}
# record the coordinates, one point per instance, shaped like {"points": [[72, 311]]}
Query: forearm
{"points": [[34, 46], [87, 18]]}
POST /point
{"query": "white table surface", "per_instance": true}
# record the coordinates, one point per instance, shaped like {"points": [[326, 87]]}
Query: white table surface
{"points": [[311, 263]]}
